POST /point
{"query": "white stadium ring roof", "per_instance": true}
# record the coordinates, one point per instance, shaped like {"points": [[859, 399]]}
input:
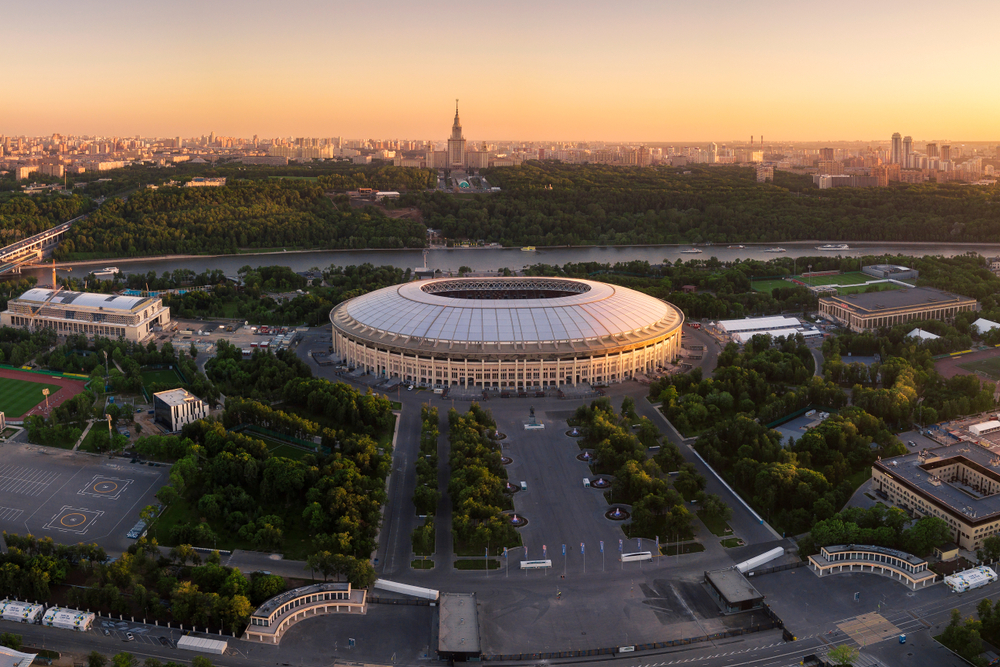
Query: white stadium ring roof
{"points": [[505, 312]]}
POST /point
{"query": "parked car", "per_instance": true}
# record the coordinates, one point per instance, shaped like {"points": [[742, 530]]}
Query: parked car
{"points": [[129, 637]]}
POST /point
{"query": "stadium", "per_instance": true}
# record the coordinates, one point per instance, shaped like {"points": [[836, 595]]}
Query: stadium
{"points": [[506, 332]]}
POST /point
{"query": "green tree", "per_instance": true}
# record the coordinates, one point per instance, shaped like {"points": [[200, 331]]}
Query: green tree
{"points": [[124, 660], [843, 654], [96, 659], [11, 641]]}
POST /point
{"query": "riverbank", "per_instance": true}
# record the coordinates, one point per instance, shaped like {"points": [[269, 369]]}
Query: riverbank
{"points": [[855, 247]]}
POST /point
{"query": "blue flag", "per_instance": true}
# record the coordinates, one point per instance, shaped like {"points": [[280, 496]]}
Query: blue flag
{"points": [[602, 546], [619, 546], [581, 548], [564, 550]]}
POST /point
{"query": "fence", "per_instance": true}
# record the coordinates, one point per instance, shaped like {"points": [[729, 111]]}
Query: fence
{"points": [[288, 439], [374, 599], [777, 568], [773, 622]]}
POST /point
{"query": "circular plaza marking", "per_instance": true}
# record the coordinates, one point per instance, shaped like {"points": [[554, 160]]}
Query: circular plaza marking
{"points": [[73, 520], [105, 487]]}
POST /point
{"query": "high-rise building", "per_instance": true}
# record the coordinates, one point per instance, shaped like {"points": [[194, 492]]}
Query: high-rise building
{"points": [[907, 150], [713, 153], [826, 154], [896, 154], [456, 144], [932, 150], [946, 153]]}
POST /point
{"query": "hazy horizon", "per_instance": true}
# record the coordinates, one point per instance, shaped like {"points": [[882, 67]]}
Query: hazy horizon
{"points": [[585, 71]]}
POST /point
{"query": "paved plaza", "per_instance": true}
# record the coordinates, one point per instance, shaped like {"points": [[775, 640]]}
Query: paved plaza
{"points": [[73, 496]]}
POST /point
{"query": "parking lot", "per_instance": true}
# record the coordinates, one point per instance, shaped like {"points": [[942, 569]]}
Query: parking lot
{"points": [[74, 497]]}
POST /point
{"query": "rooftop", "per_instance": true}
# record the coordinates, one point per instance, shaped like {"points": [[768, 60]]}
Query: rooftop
{"points": [[176, 396], [758, 323], [458, 623], [902, 555], [265, 609], [900, 298], [733, 586], [85, 300], [919, 470]]}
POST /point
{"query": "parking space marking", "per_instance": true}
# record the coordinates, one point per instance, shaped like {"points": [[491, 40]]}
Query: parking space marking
{"points": [[9, 513], [25, 481]]}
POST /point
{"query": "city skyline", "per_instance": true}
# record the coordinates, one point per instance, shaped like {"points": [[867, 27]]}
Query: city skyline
{"points": [[645, 72]]}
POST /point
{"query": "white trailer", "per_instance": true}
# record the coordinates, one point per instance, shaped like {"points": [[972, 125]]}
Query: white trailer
{"points": [[535, 564], [406, 589], [636, 556], [757, 561], [202, 645]]}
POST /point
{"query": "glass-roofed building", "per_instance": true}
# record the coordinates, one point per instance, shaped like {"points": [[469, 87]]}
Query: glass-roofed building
{"points": [[498, 333]]}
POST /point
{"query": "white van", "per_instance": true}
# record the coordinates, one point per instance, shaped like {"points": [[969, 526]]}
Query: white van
{"points": [[524, 486]]}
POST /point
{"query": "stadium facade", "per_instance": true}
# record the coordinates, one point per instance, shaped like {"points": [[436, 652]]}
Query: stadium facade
{"points": [[500, 333]]}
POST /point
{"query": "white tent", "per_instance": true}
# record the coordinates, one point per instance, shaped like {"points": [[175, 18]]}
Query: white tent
{"points": [[202, 644], [20, 612], [68, 619], [983, 325], [922, 335]]}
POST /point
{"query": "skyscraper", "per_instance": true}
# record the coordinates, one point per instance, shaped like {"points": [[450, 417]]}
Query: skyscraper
{"points": [[946, 153], [896, 154], [932, 150], [826, 154], [713, 153], [907, 149], [456, 144]]}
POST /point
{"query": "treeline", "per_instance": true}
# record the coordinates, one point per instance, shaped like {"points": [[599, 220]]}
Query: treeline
{"points": [[251, 498], [657, 508], [478, 483], [792, 483], [261, 377], [24, 215], [426, 495], [246, 214], [881, 526], [601, 204], [142, 582], [380, 178]]}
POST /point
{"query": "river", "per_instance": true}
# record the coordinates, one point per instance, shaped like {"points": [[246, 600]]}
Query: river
{"points": [[493, 259]]}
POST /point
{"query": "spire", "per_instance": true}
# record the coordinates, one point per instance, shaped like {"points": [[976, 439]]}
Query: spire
{"points": [[457, 122]]}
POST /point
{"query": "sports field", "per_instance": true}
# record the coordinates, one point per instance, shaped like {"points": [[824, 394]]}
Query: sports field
{"points": [[769, 285], [852, 278], [165, 376], [19, 396], [989, 367]]}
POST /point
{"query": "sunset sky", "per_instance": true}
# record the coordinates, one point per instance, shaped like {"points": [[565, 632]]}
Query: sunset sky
{"points": [[701, 70]]}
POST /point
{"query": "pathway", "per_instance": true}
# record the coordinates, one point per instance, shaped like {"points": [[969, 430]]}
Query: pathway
{"points": [[83, 436]]}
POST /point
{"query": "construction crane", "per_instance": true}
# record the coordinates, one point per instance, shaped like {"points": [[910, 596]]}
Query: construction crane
{"points": [[34, 313]]}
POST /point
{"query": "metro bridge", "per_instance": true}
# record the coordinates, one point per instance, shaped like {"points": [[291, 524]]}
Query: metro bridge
{"points": [[33, 248]]}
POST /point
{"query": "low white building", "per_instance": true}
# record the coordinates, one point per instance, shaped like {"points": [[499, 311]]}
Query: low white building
{"points": [[991, 426], [982, 325], [9, 656], [20, 612], [177, 407], [68, 619]]}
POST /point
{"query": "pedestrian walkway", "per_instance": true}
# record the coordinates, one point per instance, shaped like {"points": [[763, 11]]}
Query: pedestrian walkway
{"points": [[83, 436]]}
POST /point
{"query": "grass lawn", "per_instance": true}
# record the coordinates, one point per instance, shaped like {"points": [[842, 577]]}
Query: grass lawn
{"points": [[165, 376], [769, 285], [990, 366], [718, 527], [88, 443], [297, 178], [19, 396], [8, 432], [287, 451], [731, 542], [421, 564], [470, 564], [690, 548]]}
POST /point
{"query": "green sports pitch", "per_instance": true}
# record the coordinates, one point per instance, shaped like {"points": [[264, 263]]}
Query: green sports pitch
{"points": [[162, 376], [19, 396], [989, 367]]}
